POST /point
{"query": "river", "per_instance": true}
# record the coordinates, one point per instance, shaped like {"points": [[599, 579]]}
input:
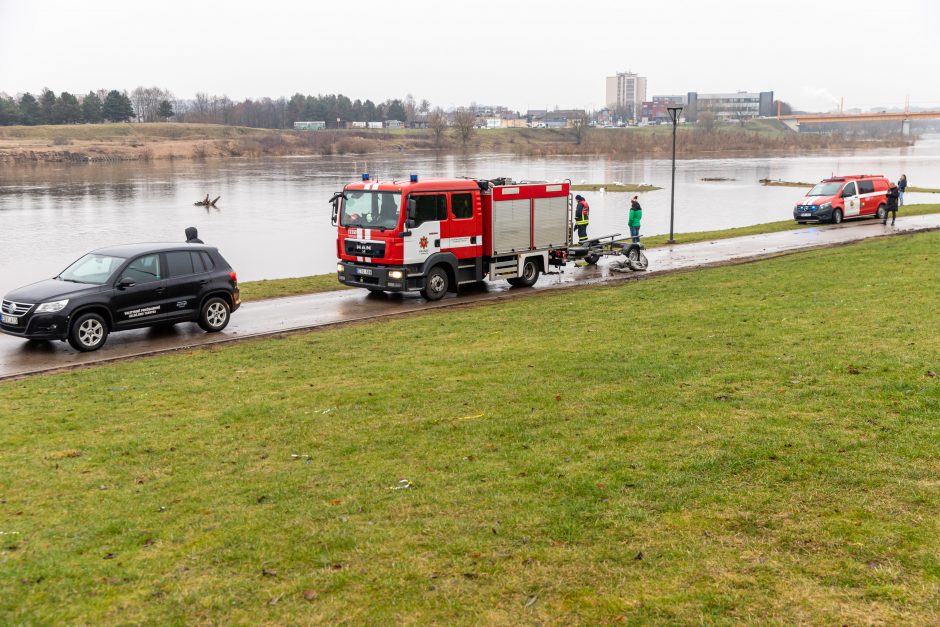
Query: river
{"points": [[273, 219]]}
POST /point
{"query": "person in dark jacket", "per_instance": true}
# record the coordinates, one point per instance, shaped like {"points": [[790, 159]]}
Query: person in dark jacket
{"points": [[892, 206], [636, 214], [582, 218], [902, 185], [192, 236]]}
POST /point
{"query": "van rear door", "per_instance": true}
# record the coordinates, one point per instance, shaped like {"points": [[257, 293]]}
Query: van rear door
{"points": [[850, 197]]}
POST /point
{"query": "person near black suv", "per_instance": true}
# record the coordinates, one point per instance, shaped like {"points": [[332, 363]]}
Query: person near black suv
{"points": [[125, 287]]}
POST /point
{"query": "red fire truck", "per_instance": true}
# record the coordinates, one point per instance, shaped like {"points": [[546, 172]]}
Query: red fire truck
{"points": [[434, 235]]}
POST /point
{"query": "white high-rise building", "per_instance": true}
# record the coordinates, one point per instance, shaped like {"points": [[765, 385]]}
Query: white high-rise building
{"points": [[625, 94]]}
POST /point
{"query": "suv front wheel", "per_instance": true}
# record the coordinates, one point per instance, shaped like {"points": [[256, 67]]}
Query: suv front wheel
{"points": [[214, 315], [88, 333]]}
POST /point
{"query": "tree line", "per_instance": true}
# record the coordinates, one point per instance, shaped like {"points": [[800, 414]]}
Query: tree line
{"points": [[153, 104]]}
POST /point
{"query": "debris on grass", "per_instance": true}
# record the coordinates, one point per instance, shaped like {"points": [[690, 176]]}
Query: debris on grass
{"points": [[402, 484], [310, 595], [531, 601]]}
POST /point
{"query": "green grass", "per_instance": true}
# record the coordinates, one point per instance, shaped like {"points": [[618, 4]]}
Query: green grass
{"points": [[767, 227], [273, 288], [127, 131], [924, 190], [749, 444]]}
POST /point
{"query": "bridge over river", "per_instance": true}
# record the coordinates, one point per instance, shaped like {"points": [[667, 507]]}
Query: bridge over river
{"points": [[904, 117]]}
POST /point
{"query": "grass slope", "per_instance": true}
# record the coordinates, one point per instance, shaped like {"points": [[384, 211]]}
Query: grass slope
{"points": [[753, 443]]}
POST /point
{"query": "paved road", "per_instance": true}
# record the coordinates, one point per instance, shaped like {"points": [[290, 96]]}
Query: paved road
{"points": [[19, 357]]}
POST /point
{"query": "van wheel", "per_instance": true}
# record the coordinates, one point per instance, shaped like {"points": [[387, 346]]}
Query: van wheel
{"points": [[214, 315], [882, 212], [88, 333], [436, 284], [837, 216], [530, 274], [592, 259]]}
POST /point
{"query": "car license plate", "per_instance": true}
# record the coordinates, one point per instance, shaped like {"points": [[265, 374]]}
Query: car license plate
{"points": [[365, 271], [805, 215], [9, 319]]}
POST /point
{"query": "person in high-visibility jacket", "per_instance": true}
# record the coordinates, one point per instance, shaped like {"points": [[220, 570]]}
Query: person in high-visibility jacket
{"points": [[582, 218]]}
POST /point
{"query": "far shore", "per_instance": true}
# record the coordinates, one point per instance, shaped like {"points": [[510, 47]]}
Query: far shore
{"points": [[91, 143]]}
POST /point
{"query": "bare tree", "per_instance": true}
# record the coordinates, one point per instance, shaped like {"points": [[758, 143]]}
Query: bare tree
{"points": [[580, 125], [425, 106], [464, 122], [437, 121], [707, 121], [411, 110]]}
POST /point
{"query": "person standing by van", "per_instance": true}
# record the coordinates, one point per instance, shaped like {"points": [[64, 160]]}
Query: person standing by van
{"points": [[636, 214], [902, 185], [892, 206]]}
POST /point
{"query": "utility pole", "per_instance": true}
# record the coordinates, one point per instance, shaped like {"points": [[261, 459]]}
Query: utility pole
{"points": [[674, 114]]}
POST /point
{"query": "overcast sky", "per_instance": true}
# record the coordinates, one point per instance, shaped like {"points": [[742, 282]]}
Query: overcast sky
{"points": [[520, 54]]}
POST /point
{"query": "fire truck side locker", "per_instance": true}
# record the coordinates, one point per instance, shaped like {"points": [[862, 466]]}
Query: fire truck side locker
{"points": [[523, 222]]}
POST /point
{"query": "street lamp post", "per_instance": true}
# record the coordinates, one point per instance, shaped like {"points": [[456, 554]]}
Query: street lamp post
{"points": [[674, 114]]}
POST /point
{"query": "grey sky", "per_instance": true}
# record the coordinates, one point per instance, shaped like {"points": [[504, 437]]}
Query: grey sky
{"points": [[521, 54]]}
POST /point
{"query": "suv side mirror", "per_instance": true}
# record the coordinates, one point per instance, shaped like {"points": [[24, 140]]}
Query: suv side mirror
{"points": [[125, 283], [846, 194], [412, 208]]}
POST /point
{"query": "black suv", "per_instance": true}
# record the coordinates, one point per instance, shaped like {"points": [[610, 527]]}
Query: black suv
{"points": [[125, 287]]}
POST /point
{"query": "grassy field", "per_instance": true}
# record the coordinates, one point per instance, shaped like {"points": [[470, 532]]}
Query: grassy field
{"points": [[273, 288], [748, 444]]}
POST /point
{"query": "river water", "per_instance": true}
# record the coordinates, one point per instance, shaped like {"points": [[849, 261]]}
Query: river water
{"points": [[273, 219]]}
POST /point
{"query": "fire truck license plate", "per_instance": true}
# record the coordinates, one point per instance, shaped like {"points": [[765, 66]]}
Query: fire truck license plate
{"points": [[10, 319], [365, 271]]}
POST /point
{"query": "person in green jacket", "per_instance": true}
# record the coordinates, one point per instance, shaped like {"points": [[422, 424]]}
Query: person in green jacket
{"points": [[636, 214]]}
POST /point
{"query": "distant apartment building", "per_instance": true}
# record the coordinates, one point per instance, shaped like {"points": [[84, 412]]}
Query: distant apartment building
{"points": [[625, 94], [656, 109], [741, 105]]}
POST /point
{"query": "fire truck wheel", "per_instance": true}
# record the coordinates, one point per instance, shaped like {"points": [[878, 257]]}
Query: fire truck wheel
{"points": [[436, 284], [592, 259], [882, 212], [530, 274], [837, 216]]}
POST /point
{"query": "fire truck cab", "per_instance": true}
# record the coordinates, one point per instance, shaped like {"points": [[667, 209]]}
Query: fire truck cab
{"points": [[434, 235]]}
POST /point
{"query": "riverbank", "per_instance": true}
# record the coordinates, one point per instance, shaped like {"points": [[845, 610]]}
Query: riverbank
{"points": [[276, 288], [777, 183], [736, 463], [87, 143]]}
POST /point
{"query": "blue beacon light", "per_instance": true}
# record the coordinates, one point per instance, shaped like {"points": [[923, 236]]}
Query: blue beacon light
{"points": [[414, 178], [365, 176]]}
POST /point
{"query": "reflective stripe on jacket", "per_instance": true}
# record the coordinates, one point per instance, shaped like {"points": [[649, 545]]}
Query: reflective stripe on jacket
{"points": [[581, 214]]}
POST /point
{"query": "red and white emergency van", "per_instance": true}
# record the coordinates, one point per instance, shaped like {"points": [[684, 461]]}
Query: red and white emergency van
{"points": [[840, 197], [433, 235]]}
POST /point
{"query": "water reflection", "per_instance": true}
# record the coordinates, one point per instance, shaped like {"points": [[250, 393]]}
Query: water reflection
{"points": [[273, 219]]}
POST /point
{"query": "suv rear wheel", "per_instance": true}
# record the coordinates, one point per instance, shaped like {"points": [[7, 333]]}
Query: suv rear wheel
{"points": [[88, 333], [214, 316]]}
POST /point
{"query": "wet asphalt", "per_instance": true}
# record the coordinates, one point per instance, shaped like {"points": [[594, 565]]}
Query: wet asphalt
{"points": [[255, 319]]}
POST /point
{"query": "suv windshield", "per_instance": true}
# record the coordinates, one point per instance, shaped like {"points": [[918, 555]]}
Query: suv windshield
{"points": [[374, 210], [825, 189], [91, 268]]}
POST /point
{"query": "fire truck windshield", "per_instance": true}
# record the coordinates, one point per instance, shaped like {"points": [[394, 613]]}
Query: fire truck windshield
{"points": [[373, 210]]}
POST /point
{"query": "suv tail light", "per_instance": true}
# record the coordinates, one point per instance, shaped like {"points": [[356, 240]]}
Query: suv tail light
{"points": [[233, 276]]}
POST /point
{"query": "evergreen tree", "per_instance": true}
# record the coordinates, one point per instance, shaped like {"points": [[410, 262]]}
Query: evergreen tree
{"points": [[67, 109], [47, 107], [91, 108], [9, 112], [29, 109], [395, 110], [165, 110], [117, 107]]}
